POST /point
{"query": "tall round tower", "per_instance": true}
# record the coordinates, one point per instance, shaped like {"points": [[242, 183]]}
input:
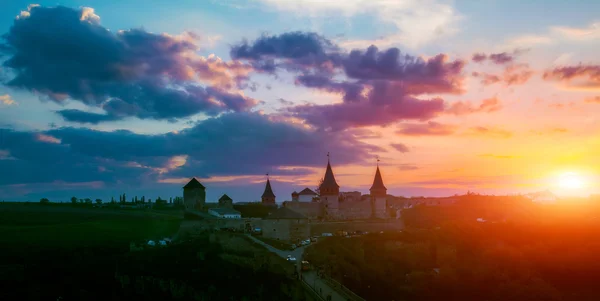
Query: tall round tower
{"points": [[378, 196], [329, 192]]}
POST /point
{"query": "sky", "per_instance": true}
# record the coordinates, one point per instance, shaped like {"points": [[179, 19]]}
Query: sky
{"points": [[99, 98]]}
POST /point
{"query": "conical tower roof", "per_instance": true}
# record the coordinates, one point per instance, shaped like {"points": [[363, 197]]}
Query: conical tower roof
{"points": [[378, 181], [329, 179], [193, 183], [268, 191]]}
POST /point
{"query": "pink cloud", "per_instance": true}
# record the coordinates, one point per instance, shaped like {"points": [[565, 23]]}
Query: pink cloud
{"points": [[487, 105], [590, 74], [47, 138], [430, 128], [400, 147]]}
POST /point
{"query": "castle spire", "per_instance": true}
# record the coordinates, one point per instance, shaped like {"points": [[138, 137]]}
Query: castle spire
{"points": [[378, 182], [329, 183], [268, 197]]}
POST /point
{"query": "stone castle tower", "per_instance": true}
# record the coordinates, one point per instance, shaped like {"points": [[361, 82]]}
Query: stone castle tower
{"points": [[378, 196], [194, 195], [268, 197], [329, 193]]}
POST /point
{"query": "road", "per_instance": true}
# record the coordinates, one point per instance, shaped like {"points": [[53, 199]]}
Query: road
{"points": [[310, 277]]}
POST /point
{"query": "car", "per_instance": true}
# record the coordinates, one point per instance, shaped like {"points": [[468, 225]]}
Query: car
{"points": [[293, 247], [290, 258]]}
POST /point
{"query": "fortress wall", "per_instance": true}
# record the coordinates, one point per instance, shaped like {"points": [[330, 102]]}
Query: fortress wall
{"points": [[316, 229]]}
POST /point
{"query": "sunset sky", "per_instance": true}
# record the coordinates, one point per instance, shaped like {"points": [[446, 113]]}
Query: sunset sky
{"points": [[498, 97]]}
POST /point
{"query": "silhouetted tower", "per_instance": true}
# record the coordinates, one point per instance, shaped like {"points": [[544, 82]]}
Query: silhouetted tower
{"points": [[225, 201], [378, 196], [329, 193], [194, 195], [268, 197]]}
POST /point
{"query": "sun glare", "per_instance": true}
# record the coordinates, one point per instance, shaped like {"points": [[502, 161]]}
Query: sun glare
{"points": [[571, 180]]}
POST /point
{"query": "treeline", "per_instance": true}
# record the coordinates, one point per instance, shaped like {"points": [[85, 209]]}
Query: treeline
{"points": [[176, 202], [469, 261], [195, 270]]}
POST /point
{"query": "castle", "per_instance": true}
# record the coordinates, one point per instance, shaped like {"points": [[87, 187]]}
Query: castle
{"points": [[327, 204], [330, 204]]}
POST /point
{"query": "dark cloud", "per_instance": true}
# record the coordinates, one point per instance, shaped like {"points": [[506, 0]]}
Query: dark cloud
{"points": [[232, 144], [63, 53], [501, 58], [400, 147], [418, 76], [285, 102], [352, 91], [589, 74], [79, 116], [487, 105], [346, 115], [497, 58], [479, 57], [430, 128], [296, 50], [377, 87]]}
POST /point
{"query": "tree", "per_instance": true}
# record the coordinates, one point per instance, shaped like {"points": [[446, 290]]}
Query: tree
{"points": [[143, 199], [112, 200], [318, 190], [74, 200], [98, 201], [88, 201], [136, 199], [44, 201]]}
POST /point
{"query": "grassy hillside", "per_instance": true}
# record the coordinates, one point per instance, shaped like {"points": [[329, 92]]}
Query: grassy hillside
{"points": [[24, 226]]}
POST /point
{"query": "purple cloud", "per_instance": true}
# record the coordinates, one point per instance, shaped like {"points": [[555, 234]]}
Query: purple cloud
{"points": [[296, 50], [85, 155], [430, 128], [341, 116], [63, 53], [400, 147], [589, 73], [479, 57]]}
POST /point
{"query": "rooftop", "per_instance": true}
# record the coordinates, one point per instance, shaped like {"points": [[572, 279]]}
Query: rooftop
{"points": [[268, 191], [329, 179], [307, 191], [225, 197], [193, 183]]}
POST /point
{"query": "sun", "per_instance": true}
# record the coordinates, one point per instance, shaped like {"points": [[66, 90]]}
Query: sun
{"points": [[571, 180]]}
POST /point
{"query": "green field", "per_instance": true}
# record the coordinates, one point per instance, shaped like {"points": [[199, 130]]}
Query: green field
{"points": [[62, 226]]}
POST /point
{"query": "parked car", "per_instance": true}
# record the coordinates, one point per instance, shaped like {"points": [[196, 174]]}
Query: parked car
{"points": [[326, 234], [293, 247], [290, 258], [314, 238]]}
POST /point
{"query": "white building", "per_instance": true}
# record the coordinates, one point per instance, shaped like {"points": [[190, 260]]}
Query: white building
{"points": [[306, 195], [224, 213]]}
